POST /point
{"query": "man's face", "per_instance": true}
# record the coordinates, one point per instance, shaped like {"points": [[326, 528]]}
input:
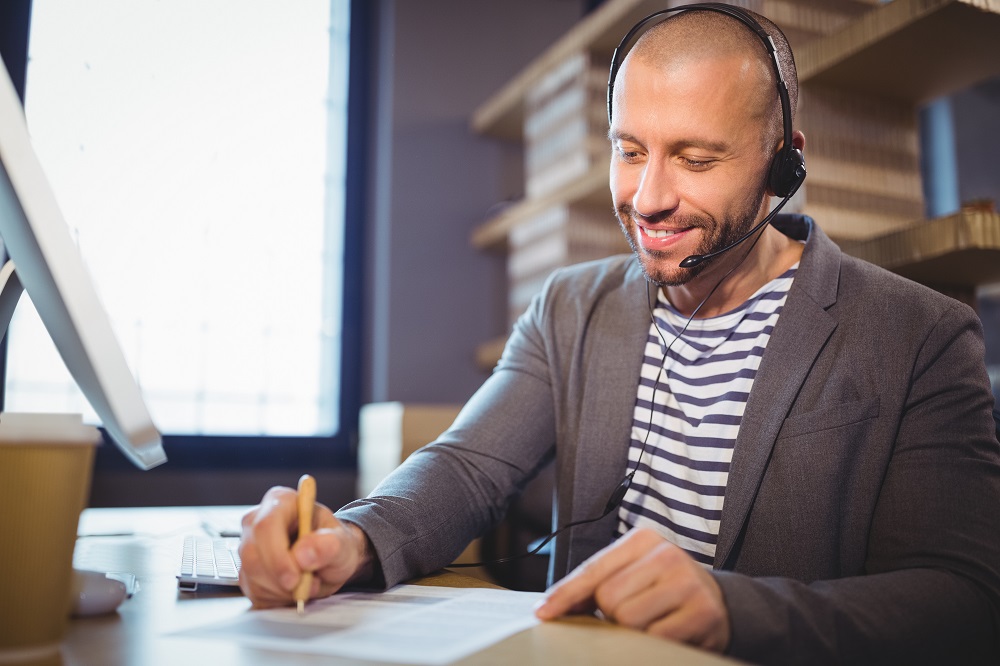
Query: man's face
{"points": [[688, 167]]}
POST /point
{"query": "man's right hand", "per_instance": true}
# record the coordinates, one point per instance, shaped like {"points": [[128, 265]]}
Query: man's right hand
{"points": [[337, 553]]}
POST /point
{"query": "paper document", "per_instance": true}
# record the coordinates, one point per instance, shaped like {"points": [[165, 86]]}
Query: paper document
{"points": [[411, 624]]}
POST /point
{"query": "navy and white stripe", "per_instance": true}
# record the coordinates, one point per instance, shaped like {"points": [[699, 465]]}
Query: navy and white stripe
{"points": [[691, 404]]}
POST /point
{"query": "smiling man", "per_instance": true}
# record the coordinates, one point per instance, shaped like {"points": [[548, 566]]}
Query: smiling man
{"points": [[806, 441]]}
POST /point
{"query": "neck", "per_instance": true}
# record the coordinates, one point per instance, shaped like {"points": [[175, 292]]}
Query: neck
{"points": [[774, 254]]}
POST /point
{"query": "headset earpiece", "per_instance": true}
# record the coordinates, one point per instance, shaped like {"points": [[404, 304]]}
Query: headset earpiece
{"points": [[788, 170]]}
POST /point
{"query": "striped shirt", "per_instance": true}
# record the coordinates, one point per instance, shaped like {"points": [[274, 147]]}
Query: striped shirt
{"points": [[698, 395]]}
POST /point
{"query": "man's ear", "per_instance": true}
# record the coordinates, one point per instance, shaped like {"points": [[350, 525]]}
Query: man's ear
{"points": [[799, 140]]}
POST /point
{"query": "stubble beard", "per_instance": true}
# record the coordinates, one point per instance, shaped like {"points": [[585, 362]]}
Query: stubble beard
{"points": [[661, 268]]}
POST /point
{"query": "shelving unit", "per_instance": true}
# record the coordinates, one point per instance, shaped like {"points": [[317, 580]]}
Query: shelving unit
{"points": [[908, 50], [864, 69], [502, 115], [861, 89], [590, 190], [954, 251]]}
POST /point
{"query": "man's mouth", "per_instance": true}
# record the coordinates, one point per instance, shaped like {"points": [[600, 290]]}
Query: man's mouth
{"points": [[661, 240], [662, 233], [659, 233]]}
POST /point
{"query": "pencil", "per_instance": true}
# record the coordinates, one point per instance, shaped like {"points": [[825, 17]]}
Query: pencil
{"points": [[306, 501]]}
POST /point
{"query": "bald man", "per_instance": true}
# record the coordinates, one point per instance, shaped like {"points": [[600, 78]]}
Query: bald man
{"points": [[808, 441]]}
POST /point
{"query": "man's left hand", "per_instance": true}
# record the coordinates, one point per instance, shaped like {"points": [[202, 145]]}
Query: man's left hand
{"points": [[644, 582]]}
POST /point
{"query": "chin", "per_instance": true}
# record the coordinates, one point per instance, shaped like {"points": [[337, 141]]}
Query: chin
{"points": [[660, 268], [664, 273]]}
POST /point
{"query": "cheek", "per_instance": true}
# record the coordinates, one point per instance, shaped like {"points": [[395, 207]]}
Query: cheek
{"points": [[624, 182], [613, 181], [716, 193]]}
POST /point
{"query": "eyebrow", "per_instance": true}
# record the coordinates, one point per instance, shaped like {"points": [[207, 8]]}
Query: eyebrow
{"points": [[615, 135], [704, 144]]}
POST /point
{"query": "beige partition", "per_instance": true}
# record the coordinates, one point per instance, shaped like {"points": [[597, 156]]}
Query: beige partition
{"points": [[389, 433]]}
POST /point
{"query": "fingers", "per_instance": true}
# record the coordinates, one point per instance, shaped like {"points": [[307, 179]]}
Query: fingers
{"points": [[577, 592], [696, 623], [272, 567], [267, 571], [646, 583], [666, 593], [331, 553]]}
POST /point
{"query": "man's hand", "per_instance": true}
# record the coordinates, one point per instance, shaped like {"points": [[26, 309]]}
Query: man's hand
{"points": [[336, 553], [644, 582]]}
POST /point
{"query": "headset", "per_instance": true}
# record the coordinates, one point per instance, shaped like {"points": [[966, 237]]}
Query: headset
{"points": [[786, 173], [788, 167]]}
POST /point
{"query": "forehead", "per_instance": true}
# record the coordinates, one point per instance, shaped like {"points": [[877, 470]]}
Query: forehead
{"points": [[721, 95]]}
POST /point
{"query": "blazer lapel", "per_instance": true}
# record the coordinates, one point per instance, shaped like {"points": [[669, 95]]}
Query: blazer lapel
{"points": [[800, 334], [614, 362]]}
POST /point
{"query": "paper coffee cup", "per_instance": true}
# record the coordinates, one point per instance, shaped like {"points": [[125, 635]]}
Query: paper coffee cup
{"points": [[45, 468]]}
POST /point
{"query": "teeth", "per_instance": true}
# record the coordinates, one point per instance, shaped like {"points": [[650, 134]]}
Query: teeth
{"points": [[659, 233]]}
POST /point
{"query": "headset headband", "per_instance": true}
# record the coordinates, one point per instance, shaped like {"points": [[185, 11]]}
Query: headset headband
{"points": [[737, 13]]}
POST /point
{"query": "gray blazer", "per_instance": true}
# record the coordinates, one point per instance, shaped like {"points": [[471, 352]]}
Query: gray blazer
{"points": [[862, 514]]}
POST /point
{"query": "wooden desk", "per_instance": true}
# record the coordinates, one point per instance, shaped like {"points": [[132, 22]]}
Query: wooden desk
{"points": [[151, 547]]}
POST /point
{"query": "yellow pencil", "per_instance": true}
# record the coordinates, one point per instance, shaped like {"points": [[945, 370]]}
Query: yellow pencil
{"points": [[306, 501]]}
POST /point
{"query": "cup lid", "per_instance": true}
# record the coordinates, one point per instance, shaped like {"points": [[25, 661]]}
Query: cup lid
{"points": [[16, 428]]}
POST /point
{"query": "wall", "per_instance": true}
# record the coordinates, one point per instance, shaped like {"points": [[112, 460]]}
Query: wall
{"points": [[976, 114], [432, 298]]}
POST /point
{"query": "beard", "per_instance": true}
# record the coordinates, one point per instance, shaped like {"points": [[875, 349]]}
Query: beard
{"points": [[661, 268]]}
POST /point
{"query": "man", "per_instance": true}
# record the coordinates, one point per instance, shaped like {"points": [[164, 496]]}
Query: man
{"points": [[835, 498]]}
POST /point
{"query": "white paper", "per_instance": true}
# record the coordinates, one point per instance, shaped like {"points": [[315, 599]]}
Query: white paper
{"points": [[411, 624]]}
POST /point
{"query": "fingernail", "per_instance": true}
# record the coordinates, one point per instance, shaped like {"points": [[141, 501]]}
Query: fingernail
{"points": [[542, 610], [307, 558]]}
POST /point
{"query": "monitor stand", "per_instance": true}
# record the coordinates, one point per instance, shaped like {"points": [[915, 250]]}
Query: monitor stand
{"points": [[10, 293]]}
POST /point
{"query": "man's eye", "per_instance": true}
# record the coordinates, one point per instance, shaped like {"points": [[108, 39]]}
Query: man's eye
{"points": [[696, 163], [628, 154]]}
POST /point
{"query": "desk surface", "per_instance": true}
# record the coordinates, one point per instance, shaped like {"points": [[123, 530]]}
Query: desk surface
{"points": [[147, 542]]}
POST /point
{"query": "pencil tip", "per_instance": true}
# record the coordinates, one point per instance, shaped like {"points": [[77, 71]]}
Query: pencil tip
{"points": [[300, 606]]}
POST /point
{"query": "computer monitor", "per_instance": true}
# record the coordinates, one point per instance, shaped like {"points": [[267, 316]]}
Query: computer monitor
{"points": [[51, 270]]}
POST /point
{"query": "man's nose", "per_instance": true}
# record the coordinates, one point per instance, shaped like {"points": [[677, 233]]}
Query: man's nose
{"points": [[657, 192]]}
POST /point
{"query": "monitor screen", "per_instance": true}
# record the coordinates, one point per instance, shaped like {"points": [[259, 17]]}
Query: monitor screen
{"points": [[48, 265]]}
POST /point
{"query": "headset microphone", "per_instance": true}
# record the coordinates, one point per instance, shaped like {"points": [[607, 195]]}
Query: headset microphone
{"points": [[696, 259]]}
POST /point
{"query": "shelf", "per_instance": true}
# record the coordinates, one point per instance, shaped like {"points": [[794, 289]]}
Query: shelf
{"points": [[590, 189], [502, 115], [908, 50], [911, 50], [958, 250]]}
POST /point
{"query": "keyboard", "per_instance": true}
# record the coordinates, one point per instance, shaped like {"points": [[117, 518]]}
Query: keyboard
{"points": [[209, 561]]}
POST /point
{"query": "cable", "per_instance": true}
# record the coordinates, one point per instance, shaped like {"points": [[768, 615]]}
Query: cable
{"points": [[618, 495]]}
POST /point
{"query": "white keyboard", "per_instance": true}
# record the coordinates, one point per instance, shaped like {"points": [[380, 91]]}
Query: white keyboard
{"points": [[209, 561]]}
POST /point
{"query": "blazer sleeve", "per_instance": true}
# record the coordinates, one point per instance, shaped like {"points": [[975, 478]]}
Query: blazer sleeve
{"points": [[453, 490], [930, 592]]}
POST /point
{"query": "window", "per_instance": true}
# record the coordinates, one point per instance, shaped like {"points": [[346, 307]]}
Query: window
{"points": [[198, 152]]}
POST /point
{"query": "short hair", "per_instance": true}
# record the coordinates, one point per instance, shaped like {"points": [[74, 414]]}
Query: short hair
{"points": [[710, 32]]}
